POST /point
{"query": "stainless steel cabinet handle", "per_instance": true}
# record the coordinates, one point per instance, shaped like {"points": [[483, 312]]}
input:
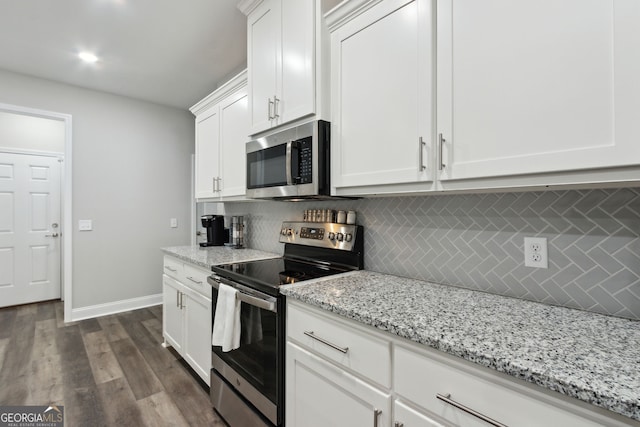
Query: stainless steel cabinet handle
{"points": [[325, 342], [51, 235], [181, 300], [441, 142], [199, 282], [276, 102], [178, 299], [447, 399], [271, 103], [376, 415], [421, 145], [398, 424], [170, 269]]}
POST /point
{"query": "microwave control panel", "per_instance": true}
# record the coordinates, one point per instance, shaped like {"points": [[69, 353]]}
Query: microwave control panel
{"points": [[305, 161]]}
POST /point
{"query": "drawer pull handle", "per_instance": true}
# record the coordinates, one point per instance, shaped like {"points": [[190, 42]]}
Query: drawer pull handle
{"points": [[398, 424], [198, 282], [376, 415], [170, 269], [325, 342], [447, 399]]}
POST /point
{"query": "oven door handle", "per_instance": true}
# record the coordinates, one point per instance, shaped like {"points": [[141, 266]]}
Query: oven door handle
{"points": [[267, 303]]}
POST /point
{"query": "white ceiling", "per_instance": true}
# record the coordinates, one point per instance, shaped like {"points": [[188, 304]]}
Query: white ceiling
{"points": [[169, 52]]}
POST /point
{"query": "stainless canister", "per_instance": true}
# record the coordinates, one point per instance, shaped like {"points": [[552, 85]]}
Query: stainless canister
{"points": [[351, 217], [341, 217], [330, 215]]}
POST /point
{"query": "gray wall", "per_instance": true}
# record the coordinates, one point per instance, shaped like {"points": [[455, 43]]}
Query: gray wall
{"points": [[131, 174], [477, 241]]}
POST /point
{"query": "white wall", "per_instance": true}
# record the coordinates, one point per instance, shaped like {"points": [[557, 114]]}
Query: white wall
{"points": [[131, 174], [32, 133]]}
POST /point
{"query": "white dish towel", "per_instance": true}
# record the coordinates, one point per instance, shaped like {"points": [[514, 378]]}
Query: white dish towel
{"points": [[226, 322]]}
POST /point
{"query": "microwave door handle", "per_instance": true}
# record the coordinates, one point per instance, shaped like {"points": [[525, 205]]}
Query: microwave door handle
{"points": [[289, 161]]}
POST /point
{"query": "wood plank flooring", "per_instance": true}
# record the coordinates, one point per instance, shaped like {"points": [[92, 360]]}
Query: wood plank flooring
{"points": [[110, 371]]}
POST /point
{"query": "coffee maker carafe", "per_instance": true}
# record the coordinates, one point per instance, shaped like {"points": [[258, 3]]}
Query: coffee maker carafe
{"points": [[217, 235]]}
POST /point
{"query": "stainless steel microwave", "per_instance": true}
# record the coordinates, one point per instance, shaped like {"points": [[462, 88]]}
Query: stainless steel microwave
{"points": [[290, 164]]}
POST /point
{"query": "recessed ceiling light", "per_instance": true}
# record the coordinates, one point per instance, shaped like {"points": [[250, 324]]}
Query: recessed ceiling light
{"points": [[88, 57]]}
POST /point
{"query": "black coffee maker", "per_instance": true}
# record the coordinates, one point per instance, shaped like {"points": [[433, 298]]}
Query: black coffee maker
{"points": [[217, 235]]}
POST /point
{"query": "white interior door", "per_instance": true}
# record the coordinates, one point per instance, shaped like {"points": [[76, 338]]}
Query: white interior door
{"points": [[29, 228]]}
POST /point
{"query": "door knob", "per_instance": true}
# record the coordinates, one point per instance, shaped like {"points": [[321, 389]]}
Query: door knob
{"points": [[51, 235]]}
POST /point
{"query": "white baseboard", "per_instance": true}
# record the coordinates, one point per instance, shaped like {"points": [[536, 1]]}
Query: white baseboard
{"points": [[115, 307]]}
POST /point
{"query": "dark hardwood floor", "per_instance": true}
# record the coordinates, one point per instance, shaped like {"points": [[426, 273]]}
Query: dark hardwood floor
{"points": [[110, 371]]}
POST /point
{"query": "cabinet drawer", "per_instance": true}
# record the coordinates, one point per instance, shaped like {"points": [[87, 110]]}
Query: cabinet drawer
{"points": [[341, 343], [173, 268], [420, 377], [196, 279]]}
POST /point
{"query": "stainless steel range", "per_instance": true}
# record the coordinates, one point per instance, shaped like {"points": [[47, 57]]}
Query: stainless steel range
{"points": [[247, 384]]}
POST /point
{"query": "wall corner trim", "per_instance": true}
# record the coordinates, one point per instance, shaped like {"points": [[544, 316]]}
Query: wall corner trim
{"points": [[115, 307]]}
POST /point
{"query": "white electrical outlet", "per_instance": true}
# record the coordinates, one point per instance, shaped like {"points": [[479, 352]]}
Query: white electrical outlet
{"points": [[85, 225], [535, 252], [173, 223]]}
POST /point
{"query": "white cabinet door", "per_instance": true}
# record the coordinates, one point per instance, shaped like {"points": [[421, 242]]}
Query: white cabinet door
{"points": [[207, 153], [382, 96], [234, 131], [197, 333], [533, 86], [408, 417], [320, 394], [172, 322], [264, 61], [297, 82]]}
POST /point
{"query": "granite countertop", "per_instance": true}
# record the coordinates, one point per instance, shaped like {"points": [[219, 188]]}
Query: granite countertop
{"points": [[215, 255], [588, 356]]}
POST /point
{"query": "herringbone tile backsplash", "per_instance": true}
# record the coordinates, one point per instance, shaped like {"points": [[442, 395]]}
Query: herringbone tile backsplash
{"points": [[477, 241]]}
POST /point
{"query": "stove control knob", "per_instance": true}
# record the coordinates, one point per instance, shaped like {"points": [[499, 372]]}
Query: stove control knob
{"points": [[283, 231], [348, 237], [340, 237], [290, 232], [332, 235]]}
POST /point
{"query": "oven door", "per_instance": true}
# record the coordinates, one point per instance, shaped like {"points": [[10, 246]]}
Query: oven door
{"points": [[254, 368]]}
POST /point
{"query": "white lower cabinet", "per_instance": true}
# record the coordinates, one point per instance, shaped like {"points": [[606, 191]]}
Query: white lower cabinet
{"points": [[186, 322], [172, 329], [328, 386], [405, 416], [320, 394]]}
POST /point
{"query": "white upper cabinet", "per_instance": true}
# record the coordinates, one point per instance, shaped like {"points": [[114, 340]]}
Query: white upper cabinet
{"points": [[207, 153], [234, 126], [286, 53], [264, 51], [222, 131], [382, 97], [544, 86], [503, 93]]}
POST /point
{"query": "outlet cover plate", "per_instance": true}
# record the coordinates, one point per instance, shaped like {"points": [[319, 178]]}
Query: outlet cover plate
{"points": [[535, 252], [85, 225]]}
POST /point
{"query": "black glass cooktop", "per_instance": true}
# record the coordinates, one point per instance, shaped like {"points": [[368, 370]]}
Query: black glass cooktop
{"points": [[269, 274]]}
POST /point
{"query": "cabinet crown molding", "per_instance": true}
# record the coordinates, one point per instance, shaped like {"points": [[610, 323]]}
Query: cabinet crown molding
{"points": [[220, 93], [346, 11], [247, 6]]}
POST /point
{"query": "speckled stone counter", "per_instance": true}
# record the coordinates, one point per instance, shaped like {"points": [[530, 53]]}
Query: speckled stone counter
{"points": [[215, 255], [591, 357]]}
